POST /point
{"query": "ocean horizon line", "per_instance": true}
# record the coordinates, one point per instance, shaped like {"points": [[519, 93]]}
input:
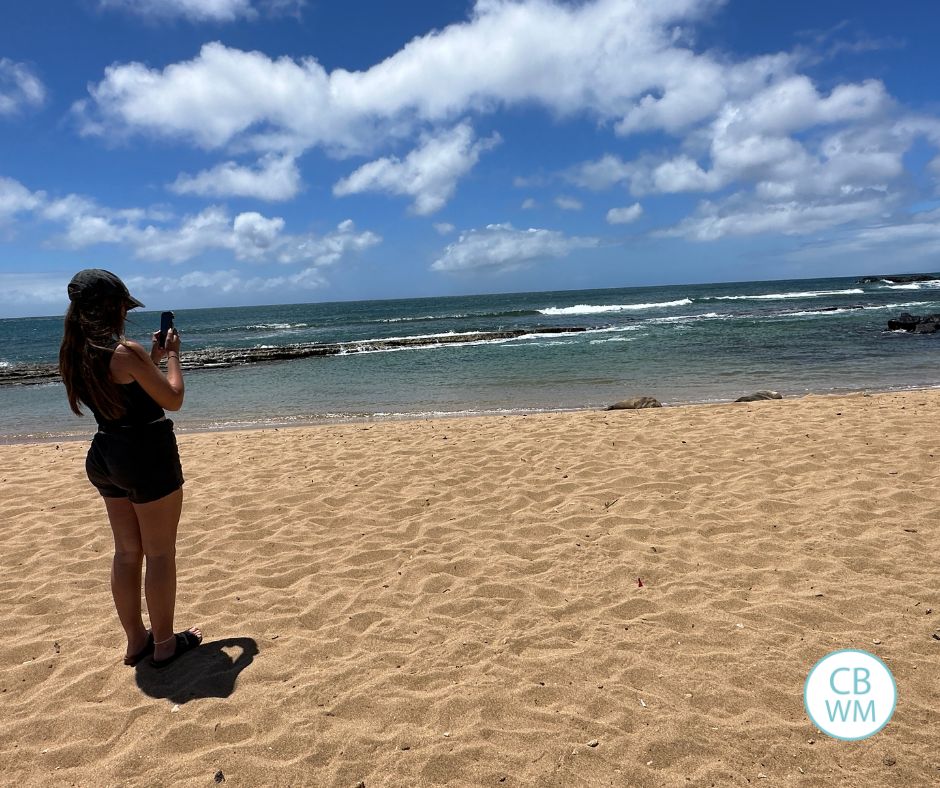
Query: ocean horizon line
{"points": [[499, 293]]}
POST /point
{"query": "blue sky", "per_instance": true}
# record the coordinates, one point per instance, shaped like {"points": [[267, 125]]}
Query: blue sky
{"points": [[227, 152]]}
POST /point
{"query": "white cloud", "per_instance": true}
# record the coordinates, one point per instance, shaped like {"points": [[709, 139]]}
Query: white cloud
{"points": [[156, 235], [215, 97], [737, 218], [276, 178], [625, 215], [256, 231], [196, 10], [444, 228], [568, 203], [843, 37], [918, 236], [615, 60], [203, 10], [529, 204], [16, 198], [681, 174], [229, 281], [87, 223], [780, 179], [748, 142], [501, 247], [24, 290], [329, 248], [20, 88], [27, 294], [429, 173], [249, 236], [755, 129], [601, 174], [794, 104], [788, 186]]}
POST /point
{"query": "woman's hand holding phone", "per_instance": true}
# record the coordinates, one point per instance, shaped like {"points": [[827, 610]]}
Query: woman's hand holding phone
{"points": [[171, 343]]}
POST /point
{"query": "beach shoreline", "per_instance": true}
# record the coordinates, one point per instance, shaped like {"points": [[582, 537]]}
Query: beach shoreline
{"points": [[299, 423]]}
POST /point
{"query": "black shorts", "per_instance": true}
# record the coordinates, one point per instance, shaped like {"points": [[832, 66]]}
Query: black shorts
{"points": [[141, 464]]}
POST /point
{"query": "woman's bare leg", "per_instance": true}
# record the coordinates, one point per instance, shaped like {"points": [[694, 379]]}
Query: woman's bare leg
{"points": [[159, 521], [125, 570]]}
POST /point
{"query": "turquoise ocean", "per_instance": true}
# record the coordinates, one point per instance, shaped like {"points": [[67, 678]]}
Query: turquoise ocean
{"points": [[679, 343]]}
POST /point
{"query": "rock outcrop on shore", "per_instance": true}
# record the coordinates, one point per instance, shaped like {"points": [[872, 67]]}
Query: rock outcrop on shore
{"points": [[916, 324], [215, 358], [898, 279]]}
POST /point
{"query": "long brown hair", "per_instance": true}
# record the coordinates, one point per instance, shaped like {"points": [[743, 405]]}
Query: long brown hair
{"points": [[92, 332]]}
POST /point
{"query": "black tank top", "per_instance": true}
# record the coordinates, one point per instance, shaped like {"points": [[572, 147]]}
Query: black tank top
{"points": [[139, 408]]}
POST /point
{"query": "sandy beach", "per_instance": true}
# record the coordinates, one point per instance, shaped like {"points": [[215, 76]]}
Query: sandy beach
{"points": [[626, 598]]}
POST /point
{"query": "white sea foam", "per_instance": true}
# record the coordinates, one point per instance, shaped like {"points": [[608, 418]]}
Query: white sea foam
{"points": [[901, 306], [686, 318], [355, 345], [432, 414], [609, 329], [552, 334], [363, 347], [611, 339], [415, 336], [814, 312], [526, 340], [931, 285], [271, 327], [776, 296], [420, 317], [519, 342], [361, 417], [593, 309]]}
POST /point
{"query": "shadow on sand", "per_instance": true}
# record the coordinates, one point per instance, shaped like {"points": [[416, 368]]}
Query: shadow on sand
{"points": [[209, 671]]}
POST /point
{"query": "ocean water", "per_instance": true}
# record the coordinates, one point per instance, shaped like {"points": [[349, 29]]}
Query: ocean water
{"points": [[678, 343]]}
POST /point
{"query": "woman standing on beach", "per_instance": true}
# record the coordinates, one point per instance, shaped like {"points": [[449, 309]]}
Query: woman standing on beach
{"points": [[133, 460]]}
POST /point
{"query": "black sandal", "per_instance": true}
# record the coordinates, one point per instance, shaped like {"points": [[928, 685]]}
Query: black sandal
{"points": [[146, 651], [185, 641]]}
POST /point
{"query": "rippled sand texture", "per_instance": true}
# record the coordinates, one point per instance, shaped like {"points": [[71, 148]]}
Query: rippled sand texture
{"points": [[458, 603]]}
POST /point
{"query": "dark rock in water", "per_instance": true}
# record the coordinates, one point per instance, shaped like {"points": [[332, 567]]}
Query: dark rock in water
{"points": [[636, 403], [38, 373], [759, 395], [214, 358], [898, 278], [903, 322], [916, 324]]}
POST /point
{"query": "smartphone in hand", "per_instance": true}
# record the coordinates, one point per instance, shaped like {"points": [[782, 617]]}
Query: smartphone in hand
{"points": [[166, 323]]}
